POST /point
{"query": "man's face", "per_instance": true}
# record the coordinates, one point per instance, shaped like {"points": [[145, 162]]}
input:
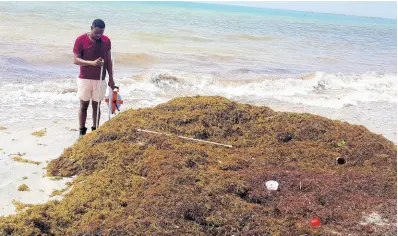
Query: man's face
{"points": [[96, 33]]}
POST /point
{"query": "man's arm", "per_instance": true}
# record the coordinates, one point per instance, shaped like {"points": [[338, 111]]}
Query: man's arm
{"points": [[109, 68], [109, 65]]}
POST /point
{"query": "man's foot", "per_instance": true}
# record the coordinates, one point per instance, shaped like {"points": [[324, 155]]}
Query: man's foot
{"points": [[83, 131], [93, 128]]}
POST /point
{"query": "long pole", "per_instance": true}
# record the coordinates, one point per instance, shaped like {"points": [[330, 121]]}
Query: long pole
{"points": [[99, 90], [192, 139]]}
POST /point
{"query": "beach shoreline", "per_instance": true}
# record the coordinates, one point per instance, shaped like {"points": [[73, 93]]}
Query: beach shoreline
{"points": [[342, 68], [17, 141]]}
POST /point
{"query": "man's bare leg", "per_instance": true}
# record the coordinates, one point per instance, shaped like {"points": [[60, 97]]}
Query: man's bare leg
{"points": [[94, 105], [83, 116]]}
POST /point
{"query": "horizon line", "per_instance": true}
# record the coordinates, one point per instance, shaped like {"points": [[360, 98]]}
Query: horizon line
{"points": [[327, 13]]}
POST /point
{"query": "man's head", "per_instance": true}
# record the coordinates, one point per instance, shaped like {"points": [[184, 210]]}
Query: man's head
{"points": [[97, 29]]}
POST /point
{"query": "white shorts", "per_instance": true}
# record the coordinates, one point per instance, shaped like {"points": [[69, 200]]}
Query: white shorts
{"points": [[88, 89]]}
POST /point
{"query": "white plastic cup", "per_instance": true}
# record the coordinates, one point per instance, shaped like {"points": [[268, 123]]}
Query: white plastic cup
{"points": [[272, 185]]}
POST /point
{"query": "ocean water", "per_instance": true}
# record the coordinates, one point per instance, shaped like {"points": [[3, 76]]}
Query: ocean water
{"points": [[164, 50]]}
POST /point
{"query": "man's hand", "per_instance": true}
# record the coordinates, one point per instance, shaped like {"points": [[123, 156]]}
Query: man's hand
{"points": [[111, 83], [98, 62]]}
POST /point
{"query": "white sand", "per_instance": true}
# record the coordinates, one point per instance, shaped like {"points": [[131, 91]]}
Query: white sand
{"points": [[18, 138]]}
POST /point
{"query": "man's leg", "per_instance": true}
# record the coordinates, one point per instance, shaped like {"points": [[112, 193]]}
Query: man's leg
{"points": [[83, 116], [94, 104], [84, 91]]}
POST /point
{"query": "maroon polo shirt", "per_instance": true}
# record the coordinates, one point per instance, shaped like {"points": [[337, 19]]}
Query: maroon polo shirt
{"points": [[91, 50]]}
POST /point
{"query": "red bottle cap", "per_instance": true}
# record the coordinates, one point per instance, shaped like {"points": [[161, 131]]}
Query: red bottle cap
{"points": [[315, 221]]}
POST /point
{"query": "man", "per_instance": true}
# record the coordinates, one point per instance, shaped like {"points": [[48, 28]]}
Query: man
{"points": [[92, 50]]}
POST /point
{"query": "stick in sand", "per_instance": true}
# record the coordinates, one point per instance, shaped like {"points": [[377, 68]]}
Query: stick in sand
{"points": [[192, 139]]}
